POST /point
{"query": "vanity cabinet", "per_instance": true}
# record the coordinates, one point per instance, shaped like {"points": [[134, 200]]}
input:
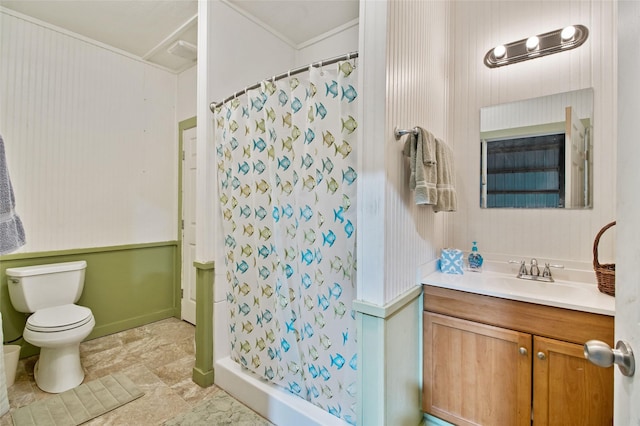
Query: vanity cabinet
{"points": [[476, 373], [568, 389], [492, 361]]}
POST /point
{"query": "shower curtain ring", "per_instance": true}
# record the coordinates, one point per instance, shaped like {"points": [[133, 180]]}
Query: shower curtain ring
{"points": [[321, 69]]}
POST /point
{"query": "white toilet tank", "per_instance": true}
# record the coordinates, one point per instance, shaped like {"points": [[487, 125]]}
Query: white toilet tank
{"points": [[43, 286]]}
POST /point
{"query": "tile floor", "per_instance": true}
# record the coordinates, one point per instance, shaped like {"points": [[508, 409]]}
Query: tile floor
{"points": [[157, 357]]}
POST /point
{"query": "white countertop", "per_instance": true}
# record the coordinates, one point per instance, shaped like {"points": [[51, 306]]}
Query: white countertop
{"points": [[562, 294]]}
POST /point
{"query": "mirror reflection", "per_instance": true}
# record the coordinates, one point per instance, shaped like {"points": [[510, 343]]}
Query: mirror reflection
{"points": [[537, 153]]}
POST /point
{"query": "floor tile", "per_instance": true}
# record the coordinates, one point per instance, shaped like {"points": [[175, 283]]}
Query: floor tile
{"points": [[159, 358]]}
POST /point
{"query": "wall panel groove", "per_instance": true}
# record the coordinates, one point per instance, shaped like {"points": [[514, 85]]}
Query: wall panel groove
{"points": [[563, 235], [91, 140], [416, 96]]}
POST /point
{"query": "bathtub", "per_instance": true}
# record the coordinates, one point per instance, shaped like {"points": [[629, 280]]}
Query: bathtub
{"points": [[272, 402]]}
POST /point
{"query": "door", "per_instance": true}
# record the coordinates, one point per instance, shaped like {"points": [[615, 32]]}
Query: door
{"points": [[568, 389], [189, 224], [627, 389], [476, 374]]}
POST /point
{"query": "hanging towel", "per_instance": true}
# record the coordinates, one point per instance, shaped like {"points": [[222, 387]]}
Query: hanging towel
{"points": [[11, 230], [447, 200], [421, 150]]}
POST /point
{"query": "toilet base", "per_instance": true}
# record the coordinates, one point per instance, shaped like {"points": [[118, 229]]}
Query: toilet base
{"points": [[59, 369]]}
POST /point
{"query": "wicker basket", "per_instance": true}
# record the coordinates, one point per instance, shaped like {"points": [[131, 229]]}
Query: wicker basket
{"points": [[605, 274]]}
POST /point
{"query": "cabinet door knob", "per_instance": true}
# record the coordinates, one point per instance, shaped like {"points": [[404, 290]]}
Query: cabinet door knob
{"points": [[523, 350], [541, 355]]}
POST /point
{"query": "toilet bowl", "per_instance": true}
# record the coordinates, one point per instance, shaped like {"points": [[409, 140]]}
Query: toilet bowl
{"points": [[58, 332], [57, 325]]}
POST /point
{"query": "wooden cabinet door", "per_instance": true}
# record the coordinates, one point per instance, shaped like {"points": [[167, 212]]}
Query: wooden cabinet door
{"points": [[568, 389], [476, 374]]}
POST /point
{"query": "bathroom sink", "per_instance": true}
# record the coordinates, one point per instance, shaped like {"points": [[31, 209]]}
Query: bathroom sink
{"points": [[563, 294]]}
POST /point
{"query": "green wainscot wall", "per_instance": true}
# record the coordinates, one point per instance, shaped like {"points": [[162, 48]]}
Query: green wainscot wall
{"points": [[125, 287]]}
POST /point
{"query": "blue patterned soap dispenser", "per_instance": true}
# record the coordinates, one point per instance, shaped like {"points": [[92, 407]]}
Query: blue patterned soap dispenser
{"points": [[475, 259]]}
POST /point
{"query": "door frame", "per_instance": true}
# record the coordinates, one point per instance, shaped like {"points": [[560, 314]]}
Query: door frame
{"points": [[183, 125], [627, 325]]}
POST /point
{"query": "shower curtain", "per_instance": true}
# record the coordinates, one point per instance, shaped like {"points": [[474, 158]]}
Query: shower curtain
{"points": [[287, 184]]}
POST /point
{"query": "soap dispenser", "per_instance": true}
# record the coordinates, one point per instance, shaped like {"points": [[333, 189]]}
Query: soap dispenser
{"points": [[475, 259]]}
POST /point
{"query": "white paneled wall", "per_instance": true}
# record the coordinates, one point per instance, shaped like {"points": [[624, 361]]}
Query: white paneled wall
{"points": [[91, 140], [341, 42], [244, 53], [416, 93], [479, 26], [234, 53], [187, 94], [536, 111]]}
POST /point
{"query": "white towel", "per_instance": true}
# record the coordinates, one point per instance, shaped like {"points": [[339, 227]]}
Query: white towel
{"points": [[11, 230]]}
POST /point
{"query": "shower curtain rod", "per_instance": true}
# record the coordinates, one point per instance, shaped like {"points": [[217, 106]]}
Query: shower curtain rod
{"points": [[345, 57]]}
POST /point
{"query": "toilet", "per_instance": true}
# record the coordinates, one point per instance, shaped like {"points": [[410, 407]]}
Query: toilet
{"points": [[57, 325]]}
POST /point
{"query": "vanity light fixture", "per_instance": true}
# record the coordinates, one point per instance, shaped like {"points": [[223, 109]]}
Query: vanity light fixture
{"points": [[537, 46], [532, 43], [568, 33], [499, 51]]}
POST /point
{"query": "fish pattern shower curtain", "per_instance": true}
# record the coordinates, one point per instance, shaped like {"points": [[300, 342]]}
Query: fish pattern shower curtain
{"points": [[287, 184]]}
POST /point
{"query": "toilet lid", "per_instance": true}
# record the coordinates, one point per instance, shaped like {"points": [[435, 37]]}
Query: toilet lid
{"points": [[59, 318]]}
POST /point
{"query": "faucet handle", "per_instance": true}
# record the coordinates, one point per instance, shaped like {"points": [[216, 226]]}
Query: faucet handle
{"points": [[547, 269], [523, 267], [555, 266]]}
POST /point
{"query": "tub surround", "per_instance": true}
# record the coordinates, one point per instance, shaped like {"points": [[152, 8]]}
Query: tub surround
{"points": [[277, 404]]}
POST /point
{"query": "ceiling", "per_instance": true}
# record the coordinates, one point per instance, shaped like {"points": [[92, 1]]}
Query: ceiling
{"points": [[148, 28]]}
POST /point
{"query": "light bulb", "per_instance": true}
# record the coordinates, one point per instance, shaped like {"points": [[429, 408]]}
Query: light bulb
{"points": [[532, 42], [568, 33], [499, 51]]}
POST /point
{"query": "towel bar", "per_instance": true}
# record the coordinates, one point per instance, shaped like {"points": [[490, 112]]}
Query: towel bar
{"points": [[401, 132]]}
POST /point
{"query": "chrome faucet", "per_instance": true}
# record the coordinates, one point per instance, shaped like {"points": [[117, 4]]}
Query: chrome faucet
{"points": [[534, 271]]}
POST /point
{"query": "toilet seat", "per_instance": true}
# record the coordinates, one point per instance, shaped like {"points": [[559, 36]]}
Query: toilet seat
{"points": [[59, 318]]}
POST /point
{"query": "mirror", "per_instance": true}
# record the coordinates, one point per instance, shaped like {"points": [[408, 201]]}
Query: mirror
{"points": [[537, 153]]}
